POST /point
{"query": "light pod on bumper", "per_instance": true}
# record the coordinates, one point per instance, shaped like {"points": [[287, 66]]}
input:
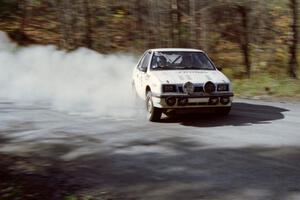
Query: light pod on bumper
{"points": [[213, 101], [171, 101], [183, 101], [225, 100]]}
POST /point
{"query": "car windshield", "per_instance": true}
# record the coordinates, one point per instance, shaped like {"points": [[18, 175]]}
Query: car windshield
{"points": [[172, 60]]}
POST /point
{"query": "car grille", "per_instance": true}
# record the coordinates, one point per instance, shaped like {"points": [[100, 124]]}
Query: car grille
{"points": [[196, 89], [180, 89]]}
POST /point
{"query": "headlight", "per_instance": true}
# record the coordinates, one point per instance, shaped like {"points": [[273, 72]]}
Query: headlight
{"points": [[223, 87], [169, 88], [188, 87]]}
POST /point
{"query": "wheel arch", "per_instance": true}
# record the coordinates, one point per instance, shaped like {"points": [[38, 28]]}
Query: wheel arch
{"points": [[148, 89]]}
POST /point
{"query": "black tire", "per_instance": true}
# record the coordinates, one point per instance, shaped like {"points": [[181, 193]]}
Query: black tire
{"points": [[154, 114], [223, 111]]}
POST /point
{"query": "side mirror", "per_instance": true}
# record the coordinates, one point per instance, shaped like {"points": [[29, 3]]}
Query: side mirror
{"points": [[220, 68]]}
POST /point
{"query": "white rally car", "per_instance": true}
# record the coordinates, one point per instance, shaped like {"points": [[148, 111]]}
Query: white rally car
{"points": [[171, 80]]}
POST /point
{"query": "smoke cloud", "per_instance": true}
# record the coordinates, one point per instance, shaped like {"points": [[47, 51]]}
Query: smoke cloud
{"points": [[81, 81]]}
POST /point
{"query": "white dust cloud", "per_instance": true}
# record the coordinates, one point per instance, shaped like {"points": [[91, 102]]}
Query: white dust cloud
{"points": [[81, 81]]}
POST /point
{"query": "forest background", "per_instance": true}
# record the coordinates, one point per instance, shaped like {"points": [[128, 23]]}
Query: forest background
{"points": [[254, 41]]}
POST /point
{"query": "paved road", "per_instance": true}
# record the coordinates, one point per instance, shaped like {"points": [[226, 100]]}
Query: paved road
{"points": [[252, 154]]}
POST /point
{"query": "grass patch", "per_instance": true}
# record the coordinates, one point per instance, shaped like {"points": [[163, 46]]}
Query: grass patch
{"points": [[267, 85]]}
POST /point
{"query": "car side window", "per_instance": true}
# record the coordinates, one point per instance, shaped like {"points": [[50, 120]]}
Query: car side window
{"points": [[140, 62], [145, 62]]}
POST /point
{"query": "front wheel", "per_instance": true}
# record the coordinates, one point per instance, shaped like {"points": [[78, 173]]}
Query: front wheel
{"points": [[154, 114]]}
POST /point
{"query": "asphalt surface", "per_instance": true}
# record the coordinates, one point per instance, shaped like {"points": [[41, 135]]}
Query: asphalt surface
{"points": [[254, 153]]}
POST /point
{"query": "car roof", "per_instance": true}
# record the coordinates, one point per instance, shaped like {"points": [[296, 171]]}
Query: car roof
{"points": [[176, 49]]}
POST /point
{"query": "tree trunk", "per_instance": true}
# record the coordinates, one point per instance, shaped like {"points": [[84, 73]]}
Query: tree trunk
{"points": [[193, 25], [246, 54], [203, 30], [172, 32], [151, 25], [175, 20], [178, 23], [88, 24], [293, 64], [139, 13], [158, 23], [245, 40], [24, 15], [64, 16]]}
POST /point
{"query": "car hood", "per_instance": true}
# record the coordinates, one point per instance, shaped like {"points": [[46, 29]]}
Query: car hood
{"points": [[194, 76]]}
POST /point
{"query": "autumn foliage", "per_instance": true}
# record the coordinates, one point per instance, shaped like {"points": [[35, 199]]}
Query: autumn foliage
{"points": [[245, 36]]}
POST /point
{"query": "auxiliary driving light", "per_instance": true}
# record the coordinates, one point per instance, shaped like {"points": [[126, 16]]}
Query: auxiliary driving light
{"points": [[171, 101], [209, 87], [213, 101], [188, 87], [182, 101], [225, 100]]}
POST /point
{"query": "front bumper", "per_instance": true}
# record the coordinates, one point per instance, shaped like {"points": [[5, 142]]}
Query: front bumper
{"points": [[193, 101]]}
